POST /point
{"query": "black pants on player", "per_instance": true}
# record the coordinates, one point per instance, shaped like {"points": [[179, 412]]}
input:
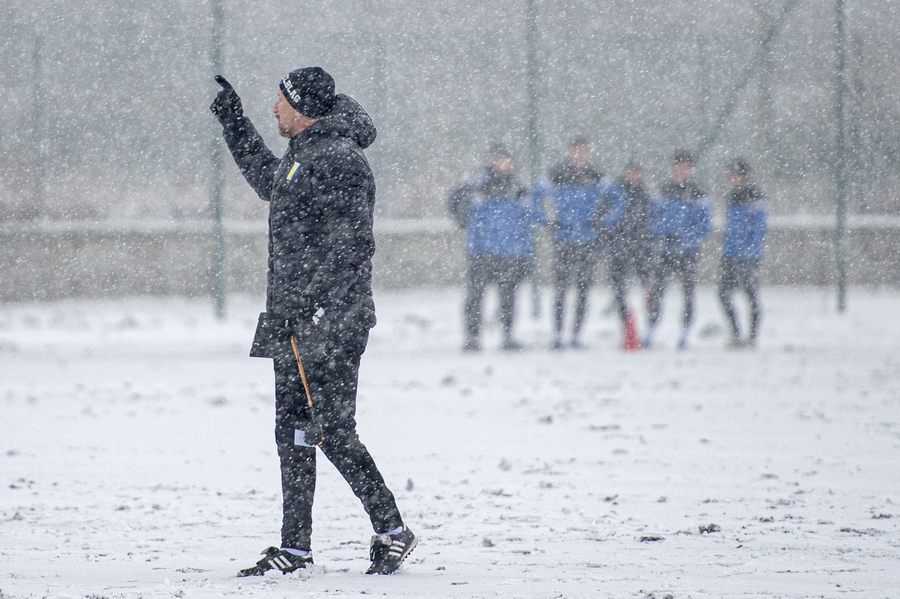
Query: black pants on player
{"points": [[743, 275], [332, 381], [573, 266], [625, 259], [504, 271], [680, 266]]}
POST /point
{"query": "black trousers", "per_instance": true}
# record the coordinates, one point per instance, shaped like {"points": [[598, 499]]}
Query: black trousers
{"points": [[573, 266], [682, 267], [626, 259], [333, 382], [743, 275], [504, 271]]}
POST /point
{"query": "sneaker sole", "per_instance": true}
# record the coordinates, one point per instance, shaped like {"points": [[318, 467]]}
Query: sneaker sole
{"points": [[254, 571], [274, 562]]}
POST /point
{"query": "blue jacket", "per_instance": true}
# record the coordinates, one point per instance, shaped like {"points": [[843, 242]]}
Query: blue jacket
{"points": [[681, 217], [582, 200], [745, 225], [497, 215]]}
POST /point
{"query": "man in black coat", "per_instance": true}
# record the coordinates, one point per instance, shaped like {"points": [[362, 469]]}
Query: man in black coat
{"points": [[319, 306]]}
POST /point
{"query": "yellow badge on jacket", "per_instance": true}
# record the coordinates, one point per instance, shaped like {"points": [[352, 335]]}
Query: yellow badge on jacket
{"points": [[290, 175]]}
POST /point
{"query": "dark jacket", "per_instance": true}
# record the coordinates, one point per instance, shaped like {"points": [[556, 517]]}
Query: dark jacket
{"points": [[635, 224], [496, 213], [631, 238], [321, 196]]}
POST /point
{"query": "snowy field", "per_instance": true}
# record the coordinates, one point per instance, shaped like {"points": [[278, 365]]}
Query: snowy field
{"points": [[137, 457]]}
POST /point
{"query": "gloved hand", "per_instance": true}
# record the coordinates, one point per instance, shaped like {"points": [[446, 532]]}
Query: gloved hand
{"points": [[227, 105], [314, 434]]}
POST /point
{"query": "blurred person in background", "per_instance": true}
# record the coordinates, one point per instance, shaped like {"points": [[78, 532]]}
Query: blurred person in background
{"points": [[584, 207], [679, 219], [319, 306], [495, 211], [742, 249], [631, 247]]}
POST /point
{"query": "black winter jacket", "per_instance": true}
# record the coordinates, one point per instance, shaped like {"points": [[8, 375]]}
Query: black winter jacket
{"points": [[321, 196], [634, 228]]}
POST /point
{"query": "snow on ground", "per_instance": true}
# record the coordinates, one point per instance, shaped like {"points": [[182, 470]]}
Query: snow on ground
{"points": [[137, 459]]}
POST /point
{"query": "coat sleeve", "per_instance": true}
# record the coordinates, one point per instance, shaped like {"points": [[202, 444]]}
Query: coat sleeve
{"points": [[536, 196], [458, 204], [703, 222], [658, 217], [343, 187], [614, 200], [697, 225], [531, 208], [255, 160], [758, 230]]}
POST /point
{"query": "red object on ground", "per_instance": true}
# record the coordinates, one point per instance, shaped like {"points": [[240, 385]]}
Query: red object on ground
{"points": [[631, 341]]}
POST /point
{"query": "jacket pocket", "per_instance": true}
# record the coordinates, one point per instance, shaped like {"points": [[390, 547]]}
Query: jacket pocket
{"points": [[272, 334]]}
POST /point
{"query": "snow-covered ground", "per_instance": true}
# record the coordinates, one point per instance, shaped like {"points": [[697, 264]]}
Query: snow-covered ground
{"points": [[137, 458]]}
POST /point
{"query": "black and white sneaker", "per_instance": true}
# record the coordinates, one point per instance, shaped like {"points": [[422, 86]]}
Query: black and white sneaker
{"points": [[388, 551], [277, 559]]}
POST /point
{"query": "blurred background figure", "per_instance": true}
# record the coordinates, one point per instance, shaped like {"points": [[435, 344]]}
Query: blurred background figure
{"points": [[583, 203], [742, 249], [497, 215], [680, 219], [631, 248]]}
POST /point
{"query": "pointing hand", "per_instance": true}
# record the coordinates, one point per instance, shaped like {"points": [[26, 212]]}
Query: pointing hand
{"points": [[227, 105]]}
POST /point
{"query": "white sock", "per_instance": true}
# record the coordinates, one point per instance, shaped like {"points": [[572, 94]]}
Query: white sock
{"points": [[297, 552], [395, 531]]}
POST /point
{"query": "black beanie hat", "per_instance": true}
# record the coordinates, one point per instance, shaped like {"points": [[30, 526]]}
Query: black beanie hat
{"points": [[739, 166], [498, 150], [310, 91], [683, 156]]}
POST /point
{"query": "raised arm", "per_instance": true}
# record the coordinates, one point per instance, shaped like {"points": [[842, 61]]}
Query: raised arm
{"points": [[256, 162]]}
